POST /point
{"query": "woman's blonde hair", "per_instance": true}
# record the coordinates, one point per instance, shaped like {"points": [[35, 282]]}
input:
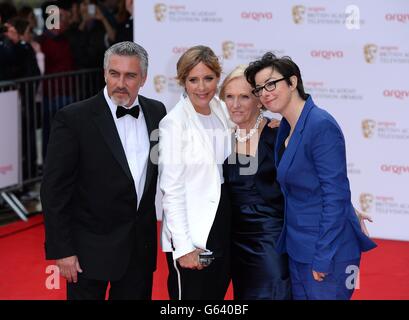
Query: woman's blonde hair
{"points": [[192, 57], [238, 72]]}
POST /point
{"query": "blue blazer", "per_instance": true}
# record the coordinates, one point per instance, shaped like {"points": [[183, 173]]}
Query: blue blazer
{"points": [[320, 225]]}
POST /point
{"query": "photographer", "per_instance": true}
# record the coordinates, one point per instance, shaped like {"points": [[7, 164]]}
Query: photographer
{"points": [[94, 32]]}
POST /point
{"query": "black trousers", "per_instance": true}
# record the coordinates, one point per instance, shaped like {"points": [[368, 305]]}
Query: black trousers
{"points": [[210, 283], [136, 284]]}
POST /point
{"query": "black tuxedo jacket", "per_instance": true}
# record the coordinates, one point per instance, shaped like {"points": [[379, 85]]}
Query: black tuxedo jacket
{"points": [[88, 193]]}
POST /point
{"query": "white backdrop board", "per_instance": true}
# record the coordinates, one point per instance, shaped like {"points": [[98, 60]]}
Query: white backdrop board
{"points": [[9, 139], [354, 60]]}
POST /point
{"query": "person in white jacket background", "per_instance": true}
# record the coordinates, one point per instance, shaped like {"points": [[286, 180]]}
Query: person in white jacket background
{"points": [[194, 141]]}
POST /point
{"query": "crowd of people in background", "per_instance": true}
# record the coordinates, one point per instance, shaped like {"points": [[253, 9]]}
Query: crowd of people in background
{"points": [[86, 29], [57, 38]]}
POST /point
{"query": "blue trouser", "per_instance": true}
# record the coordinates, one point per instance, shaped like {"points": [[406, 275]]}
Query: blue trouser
{"points": [[339, 284]]}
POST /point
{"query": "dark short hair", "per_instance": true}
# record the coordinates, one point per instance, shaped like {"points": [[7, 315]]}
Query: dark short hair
{"points": [[25, 11], [283, 65], [19, 24]]}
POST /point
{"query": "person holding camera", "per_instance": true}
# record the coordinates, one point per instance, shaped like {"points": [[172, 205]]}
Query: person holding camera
{"points": [[97, 33], [194, 141]]}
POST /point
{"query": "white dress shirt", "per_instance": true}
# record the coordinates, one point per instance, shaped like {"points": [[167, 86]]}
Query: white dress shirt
{"points": [[217, 133], [135, 141]]}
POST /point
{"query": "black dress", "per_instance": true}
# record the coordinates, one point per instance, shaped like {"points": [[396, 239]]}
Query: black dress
{"points": [[258, 271]]}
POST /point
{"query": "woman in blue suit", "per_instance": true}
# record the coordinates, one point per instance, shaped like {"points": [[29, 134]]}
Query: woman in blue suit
{"points": [[321, 231]]}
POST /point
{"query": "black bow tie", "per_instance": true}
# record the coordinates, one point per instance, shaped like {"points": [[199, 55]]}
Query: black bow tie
{"points": [[122, 111]]}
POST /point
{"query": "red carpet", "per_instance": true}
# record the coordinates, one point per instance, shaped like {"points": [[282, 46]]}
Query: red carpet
{"points": [[385, 272]]}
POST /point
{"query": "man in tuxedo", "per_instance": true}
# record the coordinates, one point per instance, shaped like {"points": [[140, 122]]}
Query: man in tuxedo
{"points": [[99, 184]]}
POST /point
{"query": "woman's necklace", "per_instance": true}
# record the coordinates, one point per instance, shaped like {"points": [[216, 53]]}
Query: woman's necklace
{"points": [[251, 132]]}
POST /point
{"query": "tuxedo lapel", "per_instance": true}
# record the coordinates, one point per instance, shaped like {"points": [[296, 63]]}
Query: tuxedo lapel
{"points": [[105, 123], [288, 155], [150, 125]]}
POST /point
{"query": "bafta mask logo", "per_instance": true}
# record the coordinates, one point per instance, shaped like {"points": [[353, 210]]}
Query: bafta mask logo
{"points": [[298, 14], [160, 11], [352, 20], [159, 83], [370, 51], [368, 128], [228, 49], [366, 200]]}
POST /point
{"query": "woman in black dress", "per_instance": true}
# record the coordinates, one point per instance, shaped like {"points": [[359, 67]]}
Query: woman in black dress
{"points": [[258, 271]]}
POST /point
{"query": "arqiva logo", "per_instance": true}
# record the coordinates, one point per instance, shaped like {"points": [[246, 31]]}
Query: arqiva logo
{"points": [[394, 168], [5, 169], [327, 54], [399, 17], [257, 16], [398, 94]]}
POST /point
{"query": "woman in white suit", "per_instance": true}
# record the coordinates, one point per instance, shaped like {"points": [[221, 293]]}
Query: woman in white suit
{"points": [[194, 141]]}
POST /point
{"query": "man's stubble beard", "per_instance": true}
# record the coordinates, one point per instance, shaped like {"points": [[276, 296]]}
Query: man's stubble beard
{"points": [[121, 102]]}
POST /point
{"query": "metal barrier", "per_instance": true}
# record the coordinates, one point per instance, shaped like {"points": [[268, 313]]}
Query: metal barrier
{"points": [[40, 98]]}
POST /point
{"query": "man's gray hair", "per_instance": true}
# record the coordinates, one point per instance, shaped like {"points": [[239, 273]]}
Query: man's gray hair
{"points": [[128, 48]]}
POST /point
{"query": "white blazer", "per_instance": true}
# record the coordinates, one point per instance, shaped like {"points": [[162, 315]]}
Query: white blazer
{"points": [[188, 177]]}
